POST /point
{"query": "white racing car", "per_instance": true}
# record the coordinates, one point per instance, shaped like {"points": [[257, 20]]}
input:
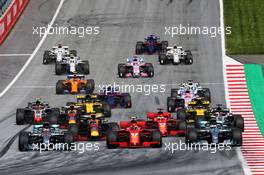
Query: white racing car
{"points": [[72, 64], [57, 53], [176, 55]]}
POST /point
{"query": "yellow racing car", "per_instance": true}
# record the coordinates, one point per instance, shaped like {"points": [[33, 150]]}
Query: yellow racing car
{"points": [[197, 111], [92, 105]]}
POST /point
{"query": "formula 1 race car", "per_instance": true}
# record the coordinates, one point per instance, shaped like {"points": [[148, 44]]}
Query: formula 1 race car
{"points": [[114, 97], [215, 131], [230, 119], [72, 64], [197, 111], [84, 127], [75, 84], [57, 53], [151, 45], [133, 134], [176, 55], [45, 137], [167, 125], [37, 112], [69, 116], [90, 104], [91, 128], [188, 91], [135, 67]]}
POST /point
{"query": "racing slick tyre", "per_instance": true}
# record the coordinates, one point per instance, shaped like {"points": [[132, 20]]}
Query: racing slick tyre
{"points": [[162, 59], [70, 103], [121, 70], [53, 119], [74, 52], [181, 125], [197, 121], [60, 87], [113, 126], [111, 136], [164, 45], [239, 122], [68, 139], [237, 137], [207, 94], [46, 57], [150, 69], [90, 86], [83, 68], [23, 141], [86, 68], [181, 114], [20, 116], [139, 47], [55, 111], [59, 69], [171, 104], [191, 136], [126, 100], [188, 58], [174, 93], [151, 125], [156, 137], [53, 114], [73, 128], [107, 110]]}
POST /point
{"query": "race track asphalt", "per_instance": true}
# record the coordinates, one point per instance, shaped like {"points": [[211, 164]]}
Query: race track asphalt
{"points": [[122, 23]]}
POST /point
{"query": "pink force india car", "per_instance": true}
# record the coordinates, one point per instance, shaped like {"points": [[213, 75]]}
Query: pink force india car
{"points": [[135, 67], [182, 96]]}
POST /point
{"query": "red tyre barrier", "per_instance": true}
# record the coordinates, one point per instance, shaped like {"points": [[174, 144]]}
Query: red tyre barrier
{"points": [[9, 18]]}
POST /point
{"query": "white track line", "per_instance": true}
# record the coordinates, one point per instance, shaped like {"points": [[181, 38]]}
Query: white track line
{"points": [[14, 54], [34, 52]]}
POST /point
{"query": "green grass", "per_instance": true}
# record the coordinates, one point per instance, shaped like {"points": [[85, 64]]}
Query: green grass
{"points": [[246, 17], [255, 85]]}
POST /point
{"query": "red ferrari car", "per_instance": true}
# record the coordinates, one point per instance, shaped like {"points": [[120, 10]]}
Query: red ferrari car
{"points": [[167, 125], [133, 134]]}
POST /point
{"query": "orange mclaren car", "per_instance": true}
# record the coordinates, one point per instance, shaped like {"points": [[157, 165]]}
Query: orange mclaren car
{"points": [[75, 84]]}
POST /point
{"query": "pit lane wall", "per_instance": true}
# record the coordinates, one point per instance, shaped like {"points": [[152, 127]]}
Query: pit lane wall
{"points": [[9, 18], [255, 85]]}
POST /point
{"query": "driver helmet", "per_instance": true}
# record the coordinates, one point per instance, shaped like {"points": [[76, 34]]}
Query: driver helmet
{"points": [[71, 56], [135, 58], [38, 101], [93, 117], [134, 125], [59, 46], [46, 127]]}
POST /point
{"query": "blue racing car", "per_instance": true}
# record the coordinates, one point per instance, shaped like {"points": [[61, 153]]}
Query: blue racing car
{"points": [[151, 45], [114, 97]]}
